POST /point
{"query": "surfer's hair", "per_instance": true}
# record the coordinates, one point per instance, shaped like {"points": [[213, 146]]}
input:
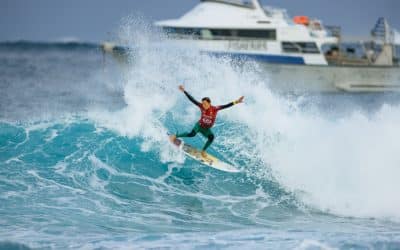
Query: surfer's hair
{"points": [[206, 99]]}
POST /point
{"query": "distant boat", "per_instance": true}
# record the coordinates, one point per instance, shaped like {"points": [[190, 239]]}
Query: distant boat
{"points": [[315, 55], [249, 30]]}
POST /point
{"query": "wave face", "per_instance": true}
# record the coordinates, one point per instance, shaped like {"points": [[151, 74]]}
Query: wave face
{"points": [[84, 160]]}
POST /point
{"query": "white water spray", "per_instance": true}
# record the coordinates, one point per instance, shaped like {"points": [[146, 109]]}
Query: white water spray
{"points": [[347, 165]]}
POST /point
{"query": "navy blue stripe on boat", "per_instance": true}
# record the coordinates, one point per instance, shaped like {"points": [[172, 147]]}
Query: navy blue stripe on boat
{"points": [[263, 58]]}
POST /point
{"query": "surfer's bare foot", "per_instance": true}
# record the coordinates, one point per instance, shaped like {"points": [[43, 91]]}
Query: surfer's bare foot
{"points": [[172, 138], [204, 154]]}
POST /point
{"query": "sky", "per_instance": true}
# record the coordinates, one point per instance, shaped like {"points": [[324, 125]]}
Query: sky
{"points": [[99, 20]]}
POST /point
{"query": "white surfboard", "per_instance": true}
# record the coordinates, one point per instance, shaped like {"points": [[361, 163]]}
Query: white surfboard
{"points": [[209, 160]]}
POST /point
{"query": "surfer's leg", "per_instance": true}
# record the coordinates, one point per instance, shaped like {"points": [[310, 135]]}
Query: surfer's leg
{"points": [[210, 137], [187, 134], [191, 133], [209, 141]]}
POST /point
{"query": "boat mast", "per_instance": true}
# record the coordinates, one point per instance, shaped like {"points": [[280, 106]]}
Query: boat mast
{"points": [[383, 32]]}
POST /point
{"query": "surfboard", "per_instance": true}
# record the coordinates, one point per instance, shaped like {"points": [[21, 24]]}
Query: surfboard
{"points": [[209, 160]]}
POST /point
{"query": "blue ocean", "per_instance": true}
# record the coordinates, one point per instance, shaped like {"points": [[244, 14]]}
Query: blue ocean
{"points": [[85, 162]]}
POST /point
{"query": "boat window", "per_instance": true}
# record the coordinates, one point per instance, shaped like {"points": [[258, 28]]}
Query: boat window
{"points": [[290, 47], [300, 47], [206, 34], [233, 34], [265, 34], [223, 34], [182, 31]]}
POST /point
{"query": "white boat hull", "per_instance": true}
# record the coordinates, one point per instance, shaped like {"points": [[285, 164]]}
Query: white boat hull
{"points": [[306, 78]]}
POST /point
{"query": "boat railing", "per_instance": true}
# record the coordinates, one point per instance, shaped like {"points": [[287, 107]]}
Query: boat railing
{"points": [[248, 5]]}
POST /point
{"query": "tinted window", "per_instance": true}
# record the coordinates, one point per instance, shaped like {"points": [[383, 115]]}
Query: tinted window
{"points": [[244, 34], [221, 32], [226, 34], [182, 31], [291, 47], [300, 47], [265, 34]]}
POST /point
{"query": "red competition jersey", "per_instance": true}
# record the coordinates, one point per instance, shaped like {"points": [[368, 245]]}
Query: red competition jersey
{"points": [[208, 116]]}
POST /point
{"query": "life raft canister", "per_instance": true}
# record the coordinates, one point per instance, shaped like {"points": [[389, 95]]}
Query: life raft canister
{"points": [[305, 20]]}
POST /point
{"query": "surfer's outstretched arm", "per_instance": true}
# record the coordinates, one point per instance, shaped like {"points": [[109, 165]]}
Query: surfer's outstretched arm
{"points": [[240, 100], [194, 101]]}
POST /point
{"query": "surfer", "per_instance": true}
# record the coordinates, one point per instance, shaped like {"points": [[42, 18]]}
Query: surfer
{"points": [[207, 119]]}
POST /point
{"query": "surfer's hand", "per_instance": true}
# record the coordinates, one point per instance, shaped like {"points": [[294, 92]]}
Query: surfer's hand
{"points": [[181, 88], [240, 100]]}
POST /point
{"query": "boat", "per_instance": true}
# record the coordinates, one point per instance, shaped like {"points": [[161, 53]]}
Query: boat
{"points": [[298, 54]]}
